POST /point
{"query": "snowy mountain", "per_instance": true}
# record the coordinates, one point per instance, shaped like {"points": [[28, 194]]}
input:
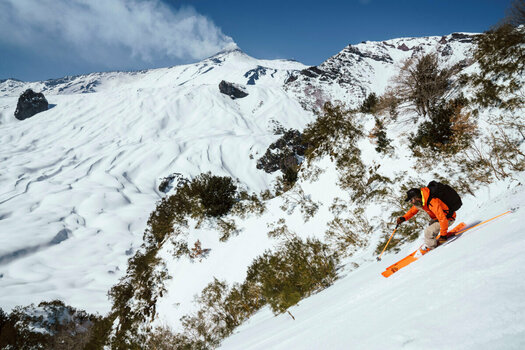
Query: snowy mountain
{"points": [[361, 69], [80, 180], [86, 172]]}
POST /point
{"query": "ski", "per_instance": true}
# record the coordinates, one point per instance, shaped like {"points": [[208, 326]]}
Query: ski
{"points": [[452, 235], [459, 229]]}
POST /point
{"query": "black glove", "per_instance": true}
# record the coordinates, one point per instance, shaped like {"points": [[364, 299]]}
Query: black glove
{"points": [[400, 220]]}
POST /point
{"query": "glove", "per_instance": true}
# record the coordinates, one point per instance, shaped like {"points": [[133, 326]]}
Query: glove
{"points": [[400, 220]]}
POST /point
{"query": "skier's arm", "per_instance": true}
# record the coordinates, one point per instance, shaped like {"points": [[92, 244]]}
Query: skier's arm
{"points": [[411, 212]]}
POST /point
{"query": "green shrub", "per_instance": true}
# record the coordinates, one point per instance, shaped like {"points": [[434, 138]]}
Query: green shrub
{"points": [[333, 131], [448, 130], [499, 53], [216, 193], [293, 272], [50, 325], [379, 134], [369, 104]]}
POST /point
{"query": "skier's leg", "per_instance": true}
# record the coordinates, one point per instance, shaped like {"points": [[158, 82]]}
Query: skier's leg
{"points": [[431, 233]]}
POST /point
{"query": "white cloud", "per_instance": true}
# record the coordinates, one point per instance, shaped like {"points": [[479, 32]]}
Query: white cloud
{"points": [[108, 30]]}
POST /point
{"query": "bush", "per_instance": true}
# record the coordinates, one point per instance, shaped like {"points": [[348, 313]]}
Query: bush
{"points": [[50, 325], [334, 131], [499, 53], [448, 131], [423, 84], [293, 272], [369, 104], [379, 134], [216, 193], [346, 235]]}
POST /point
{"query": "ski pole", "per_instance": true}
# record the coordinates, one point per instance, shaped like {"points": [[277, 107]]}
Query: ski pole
{"points": [[484, 222], [392, 235]]}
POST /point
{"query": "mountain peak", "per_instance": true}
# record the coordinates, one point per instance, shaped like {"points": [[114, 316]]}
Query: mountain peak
{"points": [[229, 50]]}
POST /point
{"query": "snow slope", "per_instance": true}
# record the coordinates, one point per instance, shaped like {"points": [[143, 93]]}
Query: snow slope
{"points": [[465, 295], [77, 182]]}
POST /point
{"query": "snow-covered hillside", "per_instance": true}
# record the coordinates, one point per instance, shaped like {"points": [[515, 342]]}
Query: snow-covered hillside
{"points": [[465, 295], [358, 70], [79, 181], [86, 172]]}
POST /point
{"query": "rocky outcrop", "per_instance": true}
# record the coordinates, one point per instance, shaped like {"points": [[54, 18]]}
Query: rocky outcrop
{"points": [[232, 90], [403, 47], [29, 104], [173, 181], [286, 152]]}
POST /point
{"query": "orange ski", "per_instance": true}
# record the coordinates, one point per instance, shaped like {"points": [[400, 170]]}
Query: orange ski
{"points": [[403, 262], [414, 256], [456, 231]]}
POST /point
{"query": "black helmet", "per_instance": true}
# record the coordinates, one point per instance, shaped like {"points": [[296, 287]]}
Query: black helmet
{"points": [[413, 192]]}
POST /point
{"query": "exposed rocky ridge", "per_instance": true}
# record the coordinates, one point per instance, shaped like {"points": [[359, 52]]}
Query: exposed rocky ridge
{"points": [[360, 69]]}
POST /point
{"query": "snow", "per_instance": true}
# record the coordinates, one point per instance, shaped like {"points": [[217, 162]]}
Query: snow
{"points": [[77, 184], [465, 295], [92, 164]]}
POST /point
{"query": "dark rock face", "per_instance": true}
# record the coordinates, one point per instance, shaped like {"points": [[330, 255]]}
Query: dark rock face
{"points": [[383, 58], [231, 90], [175, 180], [254, 74], [29, 104], [286, 152], [403, 47], [463, 38]]}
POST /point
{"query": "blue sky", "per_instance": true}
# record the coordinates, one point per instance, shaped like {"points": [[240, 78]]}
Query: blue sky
{"points": [[91, 36]]}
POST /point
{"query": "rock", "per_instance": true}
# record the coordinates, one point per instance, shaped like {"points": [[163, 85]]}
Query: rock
{"points": [[61, 236], [286, 152], [173, 181], [29, 104], [403, 47], [463, 38], [232, 90]]}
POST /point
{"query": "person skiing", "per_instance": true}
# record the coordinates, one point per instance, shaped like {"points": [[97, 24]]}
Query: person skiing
{"points": [[440, 215]]}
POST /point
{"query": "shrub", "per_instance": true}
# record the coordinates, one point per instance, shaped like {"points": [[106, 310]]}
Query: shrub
{"points": [[379, 134], [449, 130], [334, 130], [499, 53], [369, 104], [297, 198], [422, 83], [50, 325], [216, 193], [388, 104], [346, 235], [293, 272]]}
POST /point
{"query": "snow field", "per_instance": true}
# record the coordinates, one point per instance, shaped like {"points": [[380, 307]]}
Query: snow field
{"points": [[465, 295]]}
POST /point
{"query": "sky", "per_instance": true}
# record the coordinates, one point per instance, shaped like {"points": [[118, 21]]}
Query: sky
{"points": [[45, 39]]}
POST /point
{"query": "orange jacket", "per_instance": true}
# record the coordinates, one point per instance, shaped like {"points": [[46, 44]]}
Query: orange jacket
{"points": [[435, 209]]}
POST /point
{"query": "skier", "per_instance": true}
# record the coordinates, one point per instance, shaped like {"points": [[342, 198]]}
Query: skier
{"points": [[432, 200]]}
